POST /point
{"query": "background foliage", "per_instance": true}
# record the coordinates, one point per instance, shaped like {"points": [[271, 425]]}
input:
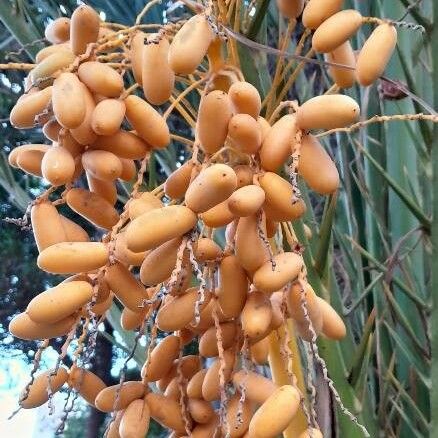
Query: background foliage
{"points": [[371, 252]]}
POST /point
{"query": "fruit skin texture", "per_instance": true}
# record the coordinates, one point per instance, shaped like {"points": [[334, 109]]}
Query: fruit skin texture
{"points": [[214, 115], [336, 30], [68, 101], [238, 428], [178, 181], [279, 142], [135, 420], [101, 78], [190, 45], [102, 165], [46, 225], [212, 186], [343, 54], [148, 123], [290, 8], [92, 207], [218, 216], [73, 257], [327, 112], [258, 387], [207, 342], [317, 11], [275, 414], [194, 387], [246, 201], [58, 166], [287, 268], [158, 226], [316, 167], [38, 394], [108, 116], [86, 383], [245, 99], [376, 53], [128, 392], [59, 302], [84, 28], [256, 316], [245, 133], [136, 55], [58, 31], [158, 79], [49, 66], [279, 205]]}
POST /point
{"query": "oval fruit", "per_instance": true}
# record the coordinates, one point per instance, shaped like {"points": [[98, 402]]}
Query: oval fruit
{"points": [[124, 254], [279, 143], [73, 257], [123, 144], [178, 181], [136, 55], [290, 8], [317, 11], [214, 115], [125, 286], [30, 161], [49, 66], [190, 45], [105, 189], [84, 28], [343, 54], [217, 216], [161, 359], [146, 201], [200, 410], [23, 327], [279, 205], [39, 389], [46, 225], [92, 207], [327, 112], [208, 342], [58, 31], [260, 350], [158, 226], [316, 167], [135, 420], [212, 186], [336, 30], [102, 165], [250, 249], [148, 123], [68, 101], [28, 107], [108, 116], [180, 311], [58, 166], [211, 383], [124, 394], [101, 78], [86, 383], [332, 325], [256, 316], [287, 266], [160, 262], [376, 53], [276, 413], [158, 79], [59, 302], [84, 133], [51, 130], [238, 416], [130, 320], [246, 201], [207, 250], [194, 387], [245, 133], [245, 99], [233, 287], [165, 411], [257, 387]]}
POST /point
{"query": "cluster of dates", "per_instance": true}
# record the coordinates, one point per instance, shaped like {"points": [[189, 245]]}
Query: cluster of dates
{"points": [[232, 299]]}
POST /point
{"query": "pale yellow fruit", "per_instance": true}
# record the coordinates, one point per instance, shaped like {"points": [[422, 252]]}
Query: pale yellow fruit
{"points": [[257, 387], [28, 107], [256, 316]]}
